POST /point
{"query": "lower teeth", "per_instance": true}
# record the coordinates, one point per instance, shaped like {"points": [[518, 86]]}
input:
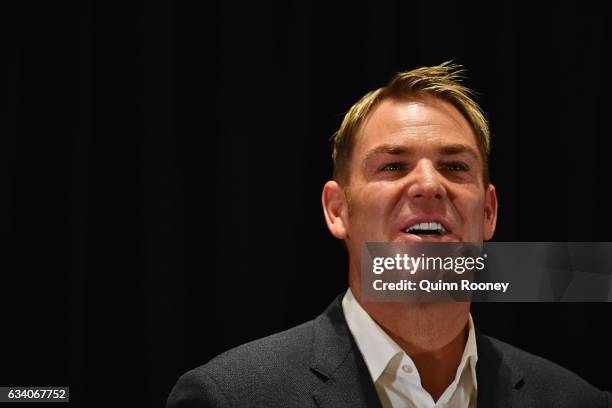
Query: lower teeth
{"points": [[427, 232]]}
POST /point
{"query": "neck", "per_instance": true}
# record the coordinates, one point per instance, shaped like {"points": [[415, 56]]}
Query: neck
{"points": [[432, 334]]}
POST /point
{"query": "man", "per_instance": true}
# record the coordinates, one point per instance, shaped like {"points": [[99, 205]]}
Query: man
{"points": [[410, 153]]}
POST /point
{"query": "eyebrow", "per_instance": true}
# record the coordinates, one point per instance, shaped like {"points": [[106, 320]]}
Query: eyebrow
{"points": [[394, 150], [398, 150], [459, 149]]}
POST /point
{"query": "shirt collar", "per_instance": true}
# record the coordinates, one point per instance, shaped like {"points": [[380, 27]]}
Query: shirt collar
{"points": [[378, 348]]}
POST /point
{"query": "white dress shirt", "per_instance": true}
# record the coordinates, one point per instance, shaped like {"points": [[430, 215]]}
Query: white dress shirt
{"points": [[393, 372]]}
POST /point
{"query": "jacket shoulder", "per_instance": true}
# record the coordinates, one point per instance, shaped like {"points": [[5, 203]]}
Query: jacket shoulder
{"points": [[272, 371], [291, 346], [546, 381]]}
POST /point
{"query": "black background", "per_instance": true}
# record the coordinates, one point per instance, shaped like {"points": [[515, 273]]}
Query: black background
{"points": [[163, 163]]}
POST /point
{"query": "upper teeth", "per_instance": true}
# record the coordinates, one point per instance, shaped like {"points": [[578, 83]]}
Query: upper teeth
{"points": [[430, 226]]}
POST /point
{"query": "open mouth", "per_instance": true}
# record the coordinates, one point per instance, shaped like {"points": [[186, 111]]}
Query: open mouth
{"points": [[426, 228]]}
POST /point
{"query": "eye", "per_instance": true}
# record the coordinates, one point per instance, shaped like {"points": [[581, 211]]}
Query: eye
{"points": [[393, 166], [455, 166]]}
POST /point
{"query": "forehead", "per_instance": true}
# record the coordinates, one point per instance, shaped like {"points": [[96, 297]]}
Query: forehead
{"points": [[423, 122]]}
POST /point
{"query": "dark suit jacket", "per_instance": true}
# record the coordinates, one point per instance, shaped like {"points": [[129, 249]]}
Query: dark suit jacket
{"points": [[318, 364]]}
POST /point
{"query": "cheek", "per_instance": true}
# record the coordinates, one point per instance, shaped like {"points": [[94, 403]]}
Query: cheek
{"points": [[472, 214], [370, 207], [382, 198]]}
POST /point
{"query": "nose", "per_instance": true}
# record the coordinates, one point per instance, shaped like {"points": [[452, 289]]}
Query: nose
{"points": [[426, 184]]}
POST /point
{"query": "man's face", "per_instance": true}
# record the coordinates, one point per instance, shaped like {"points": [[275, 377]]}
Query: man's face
{"points": [[416, 176]]}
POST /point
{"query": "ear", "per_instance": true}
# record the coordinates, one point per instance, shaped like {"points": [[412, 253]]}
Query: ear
{"points": [[490, 212], [335, 208]]}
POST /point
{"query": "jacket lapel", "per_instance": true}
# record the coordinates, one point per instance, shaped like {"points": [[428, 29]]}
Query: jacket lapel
{"points": [[337, 360], [500, 381]]}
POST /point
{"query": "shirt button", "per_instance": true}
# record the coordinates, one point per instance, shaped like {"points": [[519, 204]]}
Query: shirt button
{"points": [[407, 368]]}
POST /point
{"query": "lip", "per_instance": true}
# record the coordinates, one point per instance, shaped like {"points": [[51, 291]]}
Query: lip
{"points": [[408, 237]]}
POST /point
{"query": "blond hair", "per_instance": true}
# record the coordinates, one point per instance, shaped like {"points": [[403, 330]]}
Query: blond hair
{"points": [[441, 81]]}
